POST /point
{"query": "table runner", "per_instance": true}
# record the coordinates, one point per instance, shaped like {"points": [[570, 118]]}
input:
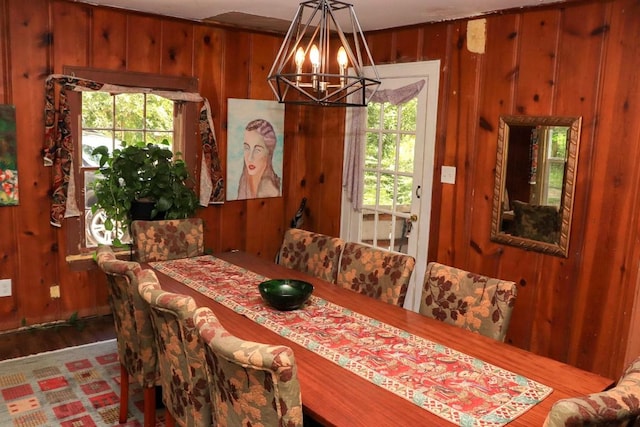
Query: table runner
{"points": [[459, 388]]}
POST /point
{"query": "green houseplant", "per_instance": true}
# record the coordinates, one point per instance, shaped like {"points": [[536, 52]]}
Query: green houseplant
{"points": [[142, 174]]}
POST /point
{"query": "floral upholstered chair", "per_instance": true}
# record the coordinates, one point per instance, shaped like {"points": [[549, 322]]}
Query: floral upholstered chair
{"points": [[134, 332], [167, 239], [251, 384], [185, 388], [471, 301], [312, 253], [618, 406], [537, 222], [376, 273]]}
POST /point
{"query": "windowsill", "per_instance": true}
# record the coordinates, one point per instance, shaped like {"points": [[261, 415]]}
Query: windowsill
{"points": [[85, 261]]}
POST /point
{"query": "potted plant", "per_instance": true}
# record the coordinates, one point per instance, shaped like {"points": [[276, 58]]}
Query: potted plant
{"points": [[138, 176]]}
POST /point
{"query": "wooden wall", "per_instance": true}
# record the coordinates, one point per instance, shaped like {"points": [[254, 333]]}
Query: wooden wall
{"points": [[581, 59]]}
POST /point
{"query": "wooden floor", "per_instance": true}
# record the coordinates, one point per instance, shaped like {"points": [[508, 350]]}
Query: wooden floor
{"points": [[38, 339]]}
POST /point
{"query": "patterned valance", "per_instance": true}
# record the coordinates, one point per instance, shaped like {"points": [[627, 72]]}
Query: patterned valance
{"points": [[58, 142]]}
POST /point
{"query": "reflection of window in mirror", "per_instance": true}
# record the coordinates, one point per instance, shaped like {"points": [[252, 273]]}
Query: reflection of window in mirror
{"points": [[536, 164]]}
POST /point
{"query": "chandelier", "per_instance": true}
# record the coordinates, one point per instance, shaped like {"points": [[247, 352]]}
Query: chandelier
{"points": [[318, 64]]}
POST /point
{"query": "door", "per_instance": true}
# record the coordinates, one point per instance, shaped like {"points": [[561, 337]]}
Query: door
{"points": [[398, 171]]}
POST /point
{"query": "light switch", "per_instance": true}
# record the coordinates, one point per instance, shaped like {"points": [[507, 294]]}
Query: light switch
{"points": [[5, 287], [448, 175]]}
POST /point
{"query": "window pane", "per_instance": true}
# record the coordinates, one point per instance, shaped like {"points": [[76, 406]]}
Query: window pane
{"points": [[388, 160], [370, 187], [384, 231], [390, 116], [408, 119], [406, 153], [92, 139], [387, 185], [130, 111], [371, 153], [404, 191], [159, 113], [368, 226], [160, 138], [97, 110], [373, 115], [130, 137]]}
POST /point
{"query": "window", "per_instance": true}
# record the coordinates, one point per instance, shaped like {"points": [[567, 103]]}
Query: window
{"points": [[388, 174], [115, 119], [552, 157], [556, 152]]}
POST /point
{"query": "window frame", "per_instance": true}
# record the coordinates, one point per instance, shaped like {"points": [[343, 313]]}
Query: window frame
{"points": [[186, 136]]}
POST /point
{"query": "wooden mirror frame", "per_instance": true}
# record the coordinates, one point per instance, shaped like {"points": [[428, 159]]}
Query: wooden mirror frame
{"points": [[561, 247]]}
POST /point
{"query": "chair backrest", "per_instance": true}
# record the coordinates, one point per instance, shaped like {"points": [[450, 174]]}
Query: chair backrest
{"points": [[180, 354], [312, 253], [134, 332], [618, 406], [167, 239], [376, 273], [468, 300], [250, 383], [537, 222]]}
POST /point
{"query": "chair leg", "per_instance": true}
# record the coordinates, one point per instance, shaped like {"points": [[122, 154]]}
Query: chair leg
{"points": [[150, 406], [124, 394]]}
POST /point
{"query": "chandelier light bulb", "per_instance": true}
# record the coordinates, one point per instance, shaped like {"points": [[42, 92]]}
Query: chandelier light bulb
{"points": [[299, 58], [314, 56], [342, 58]]}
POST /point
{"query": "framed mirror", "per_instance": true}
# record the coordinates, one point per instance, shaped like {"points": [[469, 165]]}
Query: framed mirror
{"points": [[535, 182]]}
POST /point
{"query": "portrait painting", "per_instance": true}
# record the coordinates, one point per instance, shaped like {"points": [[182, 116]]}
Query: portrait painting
{"points": [[255, 134], [8, 156]]}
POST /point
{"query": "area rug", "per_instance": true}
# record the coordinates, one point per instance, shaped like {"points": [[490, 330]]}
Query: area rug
{"points": [[72, 387]]}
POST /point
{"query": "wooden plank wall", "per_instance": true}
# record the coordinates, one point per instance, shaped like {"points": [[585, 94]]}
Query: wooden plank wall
{"points": [[576, 59]]}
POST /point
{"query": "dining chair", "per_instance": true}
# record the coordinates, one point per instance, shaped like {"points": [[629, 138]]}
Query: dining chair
{"points": [[312, 253], [251, 384], [134, 332], [617, 406], [167, 239], [374, 272], [471, 301], [185, 389]]}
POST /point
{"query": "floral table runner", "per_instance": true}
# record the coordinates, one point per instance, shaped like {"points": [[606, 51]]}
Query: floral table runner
{"points": [[457, 387]]}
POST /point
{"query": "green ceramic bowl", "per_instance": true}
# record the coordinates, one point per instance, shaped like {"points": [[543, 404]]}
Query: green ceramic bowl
{"points": [[285, 294]]}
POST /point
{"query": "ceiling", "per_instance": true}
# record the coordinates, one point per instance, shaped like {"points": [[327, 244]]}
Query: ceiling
{"points": [[275, 15]]}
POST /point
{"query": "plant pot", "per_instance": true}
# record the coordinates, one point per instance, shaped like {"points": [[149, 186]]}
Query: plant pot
{"points": [[141, 210]]}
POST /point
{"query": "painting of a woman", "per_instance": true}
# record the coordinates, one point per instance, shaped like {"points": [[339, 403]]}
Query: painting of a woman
{"points": [[258, 178], [255, 149]]}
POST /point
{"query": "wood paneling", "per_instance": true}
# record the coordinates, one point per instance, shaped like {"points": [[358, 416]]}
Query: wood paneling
{"points": [[576, 59]]}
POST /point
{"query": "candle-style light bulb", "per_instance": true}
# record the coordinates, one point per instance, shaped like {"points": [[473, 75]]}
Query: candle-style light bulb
{"points": [[342, 62], [342, 57], [314, 56], [299, 58]]}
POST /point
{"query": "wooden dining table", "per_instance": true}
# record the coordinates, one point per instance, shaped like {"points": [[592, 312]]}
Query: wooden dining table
{"points": [[335, 396]]}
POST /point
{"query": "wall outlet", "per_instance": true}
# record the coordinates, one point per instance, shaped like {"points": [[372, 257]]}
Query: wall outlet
{"points": [[448, 175], [54, 291], [5, 287]]}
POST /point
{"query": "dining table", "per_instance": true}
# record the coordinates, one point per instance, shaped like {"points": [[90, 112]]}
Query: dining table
{"points": [[339, 392]]}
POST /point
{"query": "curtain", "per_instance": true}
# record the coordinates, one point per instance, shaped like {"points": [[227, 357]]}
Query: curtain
{"points": [[353, 173], [58, 142]]}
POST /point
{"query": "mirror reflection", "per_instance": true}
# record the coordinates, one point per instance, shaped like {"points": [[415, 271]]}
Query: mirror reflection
{"points": [[535, 172]]}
